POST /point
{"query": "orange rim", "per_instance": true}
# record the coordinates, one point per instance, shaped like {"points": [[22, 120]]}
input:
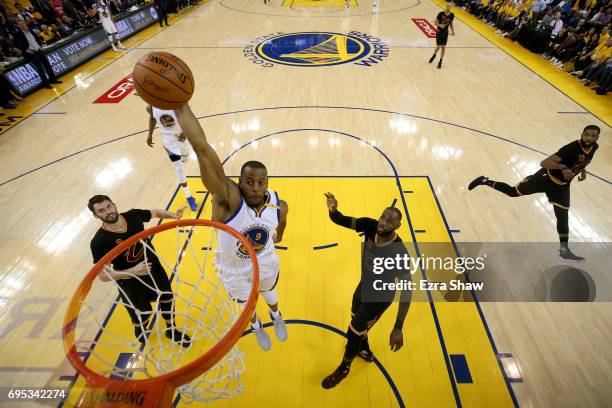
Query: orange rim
{"points": [[181, 375]]}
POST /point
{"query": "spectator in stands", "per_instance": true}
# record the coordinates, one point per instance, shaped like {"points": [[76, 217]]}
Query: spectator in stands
{"points": [[569, 49], [30, 46], [64, 29], [48, 35], [556, 24], [538, 9], [22, 12], [597, 56], [602, 18], [604, 79]]}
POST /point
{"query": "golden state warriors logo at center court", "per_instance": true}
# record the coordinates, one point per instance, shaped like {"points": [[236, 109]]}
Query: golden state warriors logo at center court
{"points": [[316, 49]]}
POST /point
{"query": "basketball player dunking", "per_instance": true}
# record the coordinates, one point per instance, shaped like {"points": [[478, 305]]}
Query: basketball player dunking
{"points": [[253, 210], [380, 241], [444, 20], [175, 144], [554, 179], [133, 276]]}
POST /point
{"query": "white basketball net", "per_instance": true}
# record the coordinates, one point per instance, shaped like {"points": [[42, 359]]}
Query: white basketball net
{"points": [[201, 308]]}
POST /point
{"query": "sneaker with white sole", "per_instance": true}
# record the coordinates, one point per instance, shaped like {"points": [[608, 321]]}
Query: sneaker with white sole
{"points": [[280, 328], [263, 340]]}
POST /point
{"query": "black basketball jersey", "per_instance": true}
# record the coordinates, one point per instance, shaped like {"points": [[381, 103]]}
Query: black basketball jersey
{"points": [[370, 251], [444, 20], [574, 155], [104, 241]]}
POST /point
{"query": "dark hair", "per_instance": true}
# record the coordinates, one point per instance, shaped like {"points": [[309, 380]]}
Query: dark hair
{"points": [[252, 164], [97, 199], [592, 127], [396, 211]]}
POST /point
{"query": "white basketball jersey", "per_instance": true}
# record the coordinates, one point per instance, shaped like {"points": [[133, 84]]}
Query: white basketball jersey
{"points": [[258, 227], [103, 7], [167, 122]]}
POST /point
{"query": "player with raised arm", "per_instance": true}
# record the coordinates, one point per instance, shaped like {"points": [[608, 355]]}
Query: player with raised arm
{"points": [[252, 209]]}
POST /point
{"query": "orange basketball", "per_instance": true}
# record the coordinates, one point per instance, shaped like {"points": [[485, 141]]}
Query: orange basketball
{"points": [[163, 80]]}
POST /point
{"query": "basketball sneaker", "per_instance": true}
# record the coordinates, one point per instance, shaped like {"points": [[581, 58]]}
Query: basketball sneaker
{"points": [[280, 328], [367, 355], [433, 57], [192, 203], [478, 181], [439, 64], [334, 378], [178, 337], [565, 253], [263, 340]]}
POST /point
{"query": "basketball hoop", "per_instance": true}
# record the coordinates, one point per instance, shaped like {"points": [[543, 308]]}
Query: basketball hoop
{"points": [[208, 369]]}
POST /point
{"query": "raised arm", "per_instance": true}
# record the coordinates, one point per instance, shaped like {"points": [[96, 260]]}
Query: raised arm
{"points": [[211, 169], [336, 216]]}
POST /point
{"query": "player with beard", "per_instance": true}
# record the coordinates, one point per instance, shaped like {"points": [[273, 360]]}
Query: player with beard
{"points": [[137, 269], [444, 20], [554, 178], [253, 210], [380, 241]]}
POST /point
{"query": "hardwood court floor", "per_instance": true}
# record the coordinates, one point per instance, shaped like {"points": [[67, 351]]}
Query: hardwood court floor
{"points": [[371, 132]]}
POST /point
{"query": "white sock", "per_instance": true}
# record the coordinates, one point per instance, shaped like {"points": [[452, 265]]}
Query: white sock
{"points": [[186, 191], [275, 314], [256, 325]]}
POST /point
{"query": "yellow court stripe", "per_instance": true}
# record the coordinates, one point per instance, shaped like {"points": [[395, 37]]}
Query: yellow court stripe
{"points": [[460, 322], [317, 285], [600, 106]]}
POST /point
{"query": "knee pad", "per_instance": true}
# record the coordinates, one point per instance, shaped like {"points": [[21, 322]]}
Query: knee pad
{"points": [[271, 297]]}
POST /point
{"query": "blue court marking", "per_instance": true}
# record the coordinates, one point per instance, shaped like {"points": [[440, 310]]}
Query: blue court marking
{"points": [[408, 192], [420, 231], [325, 246], [206, 248], [122, 362], [339, 332], [393, 203], [282, 248], [480, 313], [461, 369], [455, 231], [412, 233], [298, 107]]}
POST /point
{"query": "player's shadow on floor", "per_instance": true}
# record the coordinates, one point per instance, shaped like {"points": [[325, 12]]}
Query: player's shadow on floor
{"points": [[564, 283]]}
